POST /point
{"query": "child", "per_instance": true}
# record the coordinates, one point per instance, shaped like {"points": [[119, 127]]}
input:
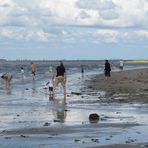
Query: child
{"points": [[22, 72], [50, 86]]}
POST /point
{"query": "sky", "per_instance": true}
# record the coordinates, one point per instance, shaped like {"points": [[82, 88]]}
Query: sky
{"points": [[73, 29]]}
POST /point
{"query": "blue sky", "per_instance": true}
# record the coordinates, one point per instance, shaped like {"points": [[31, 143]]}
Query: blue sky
{"points": [[74, 29]]}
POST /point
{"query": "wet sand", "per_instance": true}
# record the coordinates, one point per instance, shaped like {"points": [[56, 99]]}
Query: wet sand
{"points": [[124, 146], [129, 85], [125, 87]]}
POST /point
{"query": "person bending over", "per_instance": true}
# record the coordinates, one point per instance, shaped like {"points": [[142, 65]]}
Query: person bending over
{"points": [[7, 78]]}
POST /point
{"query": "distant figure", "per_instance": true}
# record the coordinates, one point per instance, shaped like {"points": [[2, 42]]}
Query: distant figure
{"points": [[50, 68], [107, 69], [82, 71], [50, 87], [33, 70], [121, 64], [7, 78], [60, 78], [22, 72], [51, 73]]}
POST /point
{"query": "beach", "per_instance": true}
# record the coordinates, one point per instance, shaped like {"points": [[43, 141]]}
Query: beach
{"points": [[30, 120], [130, 85]]}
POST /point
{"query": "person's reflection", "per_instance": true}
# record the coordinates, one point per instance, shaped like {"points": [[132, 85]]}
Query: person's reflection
{"points": [[7, 88], [23, 89], [33, 88], [59, 110], [9, 91]]}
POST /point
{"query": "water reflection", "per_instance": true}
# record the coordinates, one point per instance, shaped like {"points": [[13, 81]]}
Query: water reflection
{"points": [[6, 89], [34, 91], [59, 110], [9, 90]]}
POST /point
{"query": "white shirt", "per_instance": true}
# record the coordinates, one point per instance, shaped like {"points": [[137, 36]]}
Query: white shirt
{"points": [[121, 63], [22, 71]]}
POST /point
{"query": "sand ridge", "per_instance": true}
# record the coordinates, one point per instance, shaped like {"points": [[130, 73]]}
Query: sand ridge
{"points": [[130, 83]]}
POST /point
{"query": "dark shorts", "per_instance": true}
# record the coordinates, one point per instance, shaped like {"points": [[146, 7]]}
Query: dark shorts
{"points": [[107, 73], [121, 67], [33, 72]]}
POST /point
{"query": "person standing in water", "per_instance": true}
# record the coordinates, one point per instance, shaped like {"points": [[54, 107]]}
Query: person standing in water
{"points": [[33, 70], [22, 72], [7, 78], [107, 70], [50, 87], [82, 71], [60, 78]]}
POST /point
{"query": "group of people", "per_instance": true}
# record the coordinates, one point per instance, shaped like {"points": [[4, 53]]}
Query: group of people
{"points": [[7, 77], [60, 77]]}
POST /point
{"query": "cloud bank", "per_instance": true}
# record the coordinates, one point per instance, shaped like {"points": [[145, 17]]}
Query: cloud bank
{"points": [[52, 22]]}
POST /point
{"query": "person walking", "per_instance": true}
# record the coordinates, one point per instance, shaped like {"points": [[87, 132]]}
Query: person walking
{"points": [[82, 71], [60, 78], [22, 72], [107, 69], [121, 64], [33, 70]]}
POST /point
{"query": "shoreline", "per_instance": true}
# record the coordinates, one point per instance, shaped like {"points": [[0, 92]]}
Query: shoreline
{"points": [[126, 86]]}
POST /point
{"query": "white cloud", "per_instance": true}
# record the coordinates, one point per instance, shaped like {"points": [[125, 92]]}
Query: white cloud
{"points": [[5, 7], [11, 34], [95, 4], [142, 33], [132, 13], [37, 35], [109, 14], [84, 15], [106, 9], [114, 13], [90, 20], [107, 32], [23, 34], [107, 35]]}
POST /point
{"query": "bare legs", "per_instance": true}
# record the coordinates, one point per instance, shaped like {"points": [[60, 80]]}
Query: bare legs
{"points": [[7, 81]]}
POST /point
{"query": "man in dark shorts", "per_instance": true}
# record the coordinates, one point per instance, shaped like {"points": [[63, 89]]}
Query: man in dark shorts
{"points": [[33, 70], [60, 78]]}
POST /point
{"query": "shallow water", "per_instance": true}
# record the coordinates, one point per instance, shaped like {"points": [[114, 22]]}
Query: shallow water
{"points": [[26, 105]]}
